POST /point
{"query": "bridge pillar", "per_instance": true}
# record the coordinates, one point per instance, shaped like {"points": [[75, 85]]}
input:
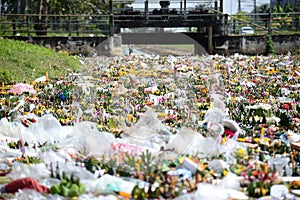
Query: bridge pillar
{"points": [[115, 45], [111, 19], [209, 42]]}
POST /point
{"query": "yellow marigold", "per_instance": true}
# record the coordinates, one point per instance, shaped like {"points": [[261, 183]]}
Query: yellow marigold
{"points": [[242, 139], [240, 152]]}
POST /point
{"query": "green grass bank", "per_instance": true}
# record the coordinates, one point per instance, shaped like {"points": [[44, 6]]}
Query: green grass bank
{"points": [[21, 61]]}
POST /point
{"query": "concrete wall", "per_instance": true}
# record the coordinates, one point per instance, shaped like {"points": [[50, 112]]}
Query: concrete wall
{"points": [[253, 45], [250, 45]]}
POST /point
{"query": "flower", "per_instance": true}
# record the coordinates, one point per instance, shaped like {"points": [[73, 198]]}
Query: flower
{"points": [[260, 179]]}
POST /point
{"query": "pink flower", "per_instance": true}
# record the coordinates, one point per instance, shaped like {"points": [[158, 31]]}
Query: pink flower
{"points": [[252, 178], [262, 176]]}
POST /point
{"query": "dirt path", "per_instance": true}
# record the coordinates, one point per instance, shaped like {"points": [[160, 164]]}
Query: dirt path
{"points": [[163, 51]]}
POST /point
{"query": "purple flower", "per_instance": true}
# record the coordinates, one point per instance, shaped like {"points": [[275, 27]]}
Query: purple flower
{"points": [[23, 149]]}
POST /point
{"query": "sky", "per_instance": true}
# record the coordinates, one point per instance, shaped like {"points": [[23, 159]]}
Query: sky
{"points": [[230, 6]]}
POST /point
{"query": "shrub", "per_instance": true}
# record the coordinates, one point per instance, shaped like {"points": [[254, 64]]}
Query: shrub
{"points": [[270, 47]]}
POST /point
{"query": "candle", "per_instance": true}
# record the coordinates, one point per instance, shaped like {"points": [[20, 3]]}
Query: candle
{"points": [[46, 75], [2, 87]]}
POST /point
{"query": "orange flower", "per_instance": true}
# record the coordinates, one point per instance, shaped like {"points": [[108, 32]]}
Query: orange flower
{"points": [[255, 172], [149, 103]]}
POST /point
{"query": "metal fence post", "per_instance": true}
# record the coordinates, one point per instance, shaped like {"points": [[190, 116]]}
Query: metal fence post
{"points": [[69, 25], [111, 18], [28, 24], [14, 27], [270, 23]]}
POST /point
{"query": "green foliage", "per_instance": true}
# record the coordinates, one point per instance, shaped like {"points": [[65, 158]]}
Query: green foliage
{"points": [[148, 161], [21, 61], [92, 164], [68, 187], [89, 7], [270, 47], [242, 18], [5, 76]]}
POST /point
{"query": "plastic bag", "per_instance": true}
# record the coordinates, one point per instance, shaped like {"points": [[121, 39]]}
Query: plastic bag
{"points": [[11, 129], [185, 141], [109, 184], [70, 168], [91, 141], [281, 165], [30, 195], [209, 191], [50, 157], [231, 181], [279, 191], [148, 132], [46, 129], [20, 170], [147, 126], [218, 165]]}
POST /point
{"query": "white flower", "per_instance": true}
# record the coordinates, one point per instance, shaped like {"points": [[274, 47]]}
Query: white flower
{"points": [[263, 106], [273, 119], [257, 118]]}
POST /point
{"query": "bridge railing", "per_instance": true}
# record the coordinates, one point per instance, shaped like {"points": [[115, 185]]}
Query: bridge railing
{"points": [[100, 25], [53, 25], [263, 23]]}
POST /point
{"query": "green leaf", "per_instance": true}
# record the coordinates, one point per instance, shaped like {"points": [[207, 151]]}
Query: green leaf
{"points": [[111, 123]]}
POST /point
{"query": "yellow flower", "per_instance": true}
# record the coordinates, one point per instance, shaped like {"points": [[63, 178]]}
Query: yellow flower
{"points": [[129, 117], [225, 172], [264, 191], [241, 139], [134, 119], [240, 152]]}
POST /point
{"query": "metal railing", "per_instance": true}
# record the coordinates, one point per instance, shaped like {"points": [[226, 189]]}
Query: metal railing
{"points": [[101, 25], [54, 25], [266, 23]]}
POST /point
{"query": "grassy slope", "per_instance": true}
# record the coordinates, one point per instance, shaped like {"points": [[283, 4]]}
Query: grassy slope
{"points": [[26, 62]]}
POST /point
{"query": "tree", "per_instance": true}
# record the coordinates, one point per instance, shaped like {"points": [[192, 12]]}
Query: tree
{"points": [[241, 19], [40, 26], [263, 12]]}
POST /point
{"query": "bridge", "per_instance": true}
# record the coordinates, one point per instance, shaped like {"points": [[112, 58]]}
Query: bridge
{"points": [[206, 26], [198, 14]]}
